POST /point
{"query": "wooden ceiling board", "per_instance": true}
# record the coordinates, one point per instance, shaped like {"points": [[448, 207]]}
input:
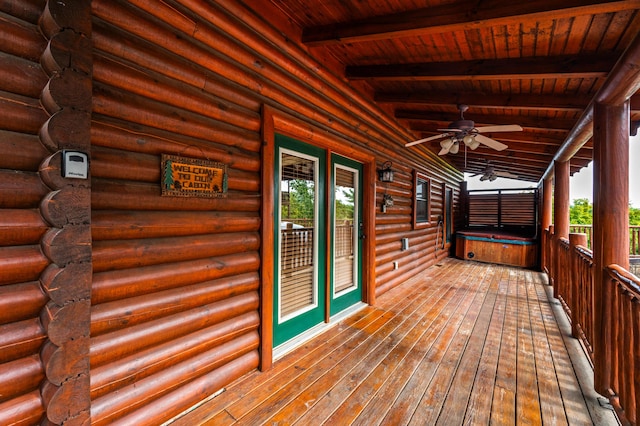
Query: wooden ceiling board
{"points": [[538, 64]]}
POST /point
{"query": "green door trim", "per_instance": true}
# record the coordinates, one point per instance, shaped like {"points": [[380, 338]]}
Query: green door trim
{"points": [[348, 297], [288, 327]]}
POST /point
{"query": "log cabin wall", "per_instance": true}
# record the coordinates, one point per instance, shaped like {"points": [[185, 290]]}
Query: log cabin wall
{"points": [[22, 298], [175, 282], [175, 285], [45, 250]]}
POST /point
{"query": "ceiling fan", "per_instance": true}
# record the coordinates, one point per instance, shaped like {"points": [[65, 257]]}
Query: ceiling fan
{"points": [[465, 131], [492, 174]]}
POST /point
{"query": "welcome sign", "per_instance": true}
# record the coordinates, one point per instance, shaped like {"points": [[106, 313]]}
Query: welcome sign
{"points": [[193, 177]]}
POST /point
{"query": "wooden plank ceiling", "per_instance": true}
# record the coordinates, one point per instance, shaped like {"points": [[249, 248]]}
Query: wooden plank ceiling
{"points": [[533, 63]]}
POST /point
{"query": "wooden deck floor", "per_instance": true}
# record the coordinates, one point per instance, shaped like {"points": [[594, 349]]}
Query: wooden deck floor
{"points": [[463, 343]]}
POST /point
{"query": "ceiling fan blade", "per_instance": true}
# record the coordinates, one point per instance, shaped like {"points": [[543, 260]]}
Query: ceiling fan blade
{"points": [[430, 138], [506, 175], [451, 130], [498, 146], [504, 128]]}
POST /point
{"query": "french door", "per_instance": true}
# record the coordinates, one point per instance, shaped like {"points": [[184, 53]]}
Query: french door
{"points": [[347, 233], [317, 249]]}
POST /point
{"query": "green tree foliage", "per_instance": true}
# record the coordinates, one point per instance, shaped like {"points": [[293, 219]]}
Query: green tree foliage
{"points": [[634, 216], [301, 199], [344, 204], [581, 213]]}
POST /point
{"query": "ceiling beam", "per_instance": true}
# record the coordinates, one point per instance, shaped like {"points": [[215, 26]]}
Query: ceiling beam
{"points": [[524, 121], [622, 84], [576, 103], [476, 166], [458, 17], [480, 167], [531, 169], [569, 66]]}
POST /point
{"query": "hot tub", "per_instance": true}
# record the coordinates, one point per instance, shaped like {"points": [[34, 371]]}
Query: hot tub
{"points": [[497, 247]]}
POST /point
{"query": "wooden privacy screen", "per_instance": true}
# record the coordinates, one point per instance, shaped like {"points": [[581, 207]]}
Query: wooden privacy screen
{"points": [[507, 209]]}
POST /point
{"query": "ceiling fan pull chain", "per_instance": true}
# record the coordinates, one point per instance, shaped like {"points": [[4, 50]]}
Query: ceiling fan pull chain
{"points": [[465, 155]]}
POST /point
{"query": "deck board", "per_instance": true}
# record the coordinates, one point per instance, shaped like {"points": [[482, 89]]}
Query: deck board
{"points": [[462, 343]]}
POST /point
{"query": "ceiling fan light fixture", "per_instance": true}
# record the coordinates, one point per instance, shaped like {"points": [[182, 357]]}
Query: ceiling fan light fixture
{"points": [[475, 144], [468, 140], [454, 148], [446, 143]]}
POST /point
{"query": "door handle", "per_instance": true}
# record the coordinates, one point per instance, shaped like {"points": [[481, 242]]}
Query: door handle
{"points": [[361, 232]]}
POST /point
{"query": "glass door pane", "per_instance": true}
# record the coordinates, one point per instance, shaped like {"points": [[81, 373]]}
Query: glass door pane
{"points": [[346, 259], [344, 235], [297, 233]]}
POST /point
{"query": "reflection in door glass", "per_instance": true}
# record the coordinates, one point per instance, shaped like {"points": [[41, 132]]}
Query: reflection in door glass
{"points": [[345, 234], [297, 234]]}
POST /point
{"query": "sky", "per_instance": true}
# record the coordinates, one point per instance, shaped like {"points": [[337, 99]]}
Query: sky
{"points": [[581, 183]]}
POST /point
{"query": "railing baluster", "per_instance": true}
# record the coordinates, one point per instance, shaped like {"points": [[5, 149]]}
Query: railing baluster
{"points": [[621, 317], [625, 338], [635, 327], [634, 236], [627, 357]]}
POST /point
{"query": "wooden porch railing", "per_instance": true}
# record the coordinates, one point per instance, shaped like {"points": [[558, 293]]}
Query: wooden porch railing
{"points": [[634, 236], [581, 325], [624, 317], [569, 264]]}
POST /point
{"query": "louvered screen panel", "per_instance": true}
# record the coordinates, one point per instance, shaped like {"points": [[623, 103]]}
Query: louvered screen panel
{"points": [[483, 210], [510, 209], [518, 209]]}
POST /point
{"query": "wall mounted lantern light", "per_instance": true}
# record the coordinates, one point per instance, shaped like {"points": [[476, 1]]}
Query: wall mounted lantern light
{"points": [[385, 174]]}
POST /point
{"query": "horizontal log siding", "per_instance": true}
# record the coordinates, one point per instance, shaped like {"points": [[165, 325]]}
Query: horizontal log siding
{"points": [[176, 279], [22, 261], [397, 223]]}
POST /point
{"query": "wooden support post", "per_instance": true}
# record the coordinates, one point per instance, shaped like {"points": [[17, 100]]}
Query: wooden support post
{"points": [[561, 200], [610, 225], [560, 213], [546, 220], [574, 274]]}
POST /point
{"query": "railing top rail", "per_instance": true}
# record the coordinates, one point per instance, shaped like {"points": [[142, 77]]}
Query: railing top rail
{"points": [[589, 225], [584, 252], [629, 281], [564, 242]]}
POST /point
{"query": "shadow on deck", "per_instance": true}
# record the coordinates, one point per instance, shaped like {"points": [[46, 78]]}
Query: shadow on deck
{"points": [[462, 343]]}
